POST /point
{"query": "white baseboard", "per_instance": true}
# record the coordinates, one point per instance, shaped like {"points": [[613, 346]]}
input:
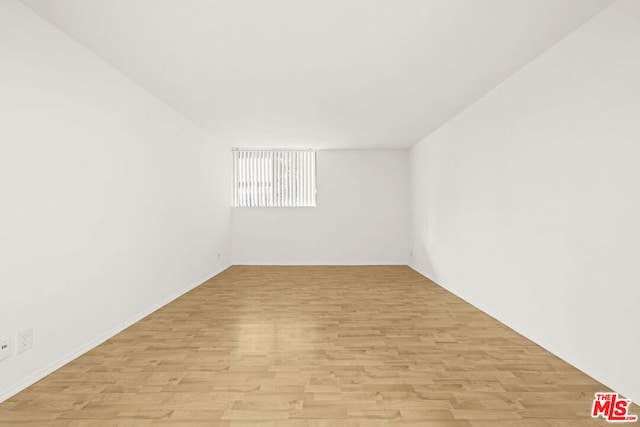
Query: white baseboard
{"points": [[577, 362], [318, 264], [23, 384]]}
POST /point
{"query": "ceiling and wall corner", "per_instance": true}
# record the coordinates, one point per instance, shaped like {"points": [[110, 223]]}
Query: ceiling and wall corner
{"points": [[328, 74]]}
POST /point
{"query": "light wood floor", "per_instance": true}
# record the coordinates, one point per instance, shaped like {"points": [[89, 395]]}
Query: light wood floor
{"points": [[313, 346]]}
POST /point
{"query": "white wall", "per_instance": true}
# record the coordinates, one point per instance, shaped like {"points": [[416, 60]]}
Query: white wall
{"points": [[527, 204], [360, 218], [110, 203]]}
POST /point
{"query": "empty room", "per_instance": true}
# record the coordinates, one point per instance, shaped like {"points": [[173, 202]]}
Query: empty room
{"points": [[319, 213]]}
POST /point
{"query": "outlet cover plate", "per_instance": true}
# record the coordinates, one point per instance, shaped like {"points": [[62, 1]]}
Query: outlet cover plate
{"points": [[24, 341], [5, 348]]}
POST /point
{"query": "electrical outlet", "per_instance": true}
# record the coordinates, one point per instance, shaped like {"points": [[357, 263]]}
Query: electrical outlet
{"points": [[24, 341], [5, 348]]}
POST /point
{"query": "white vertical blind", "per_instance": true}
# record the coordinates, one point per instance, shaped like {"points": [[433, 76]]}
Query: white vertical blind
{"points": [[274, 178]]}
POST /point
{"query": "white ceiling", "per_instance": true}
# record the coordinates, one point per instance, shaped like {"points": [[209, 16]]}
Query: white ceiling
{"points": [[322, 73]]}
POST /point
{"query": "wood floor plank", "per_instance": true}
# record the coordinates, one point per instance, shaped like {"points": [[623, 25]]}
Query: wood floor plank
{"points": [[320, 346]]}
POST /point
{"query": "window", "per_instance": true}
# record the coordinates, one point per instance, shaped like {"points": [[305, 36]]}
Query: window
{"points": [[274, 178]]}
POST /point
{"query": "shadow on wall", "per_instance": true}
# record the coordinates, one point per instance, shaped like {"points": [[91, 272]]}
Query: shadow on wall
{"points": [[420, 259]]}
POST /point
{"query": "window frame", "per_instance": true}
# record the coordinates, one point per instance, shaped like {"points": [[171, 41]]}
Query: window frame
{"points": [[291, 177]]}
